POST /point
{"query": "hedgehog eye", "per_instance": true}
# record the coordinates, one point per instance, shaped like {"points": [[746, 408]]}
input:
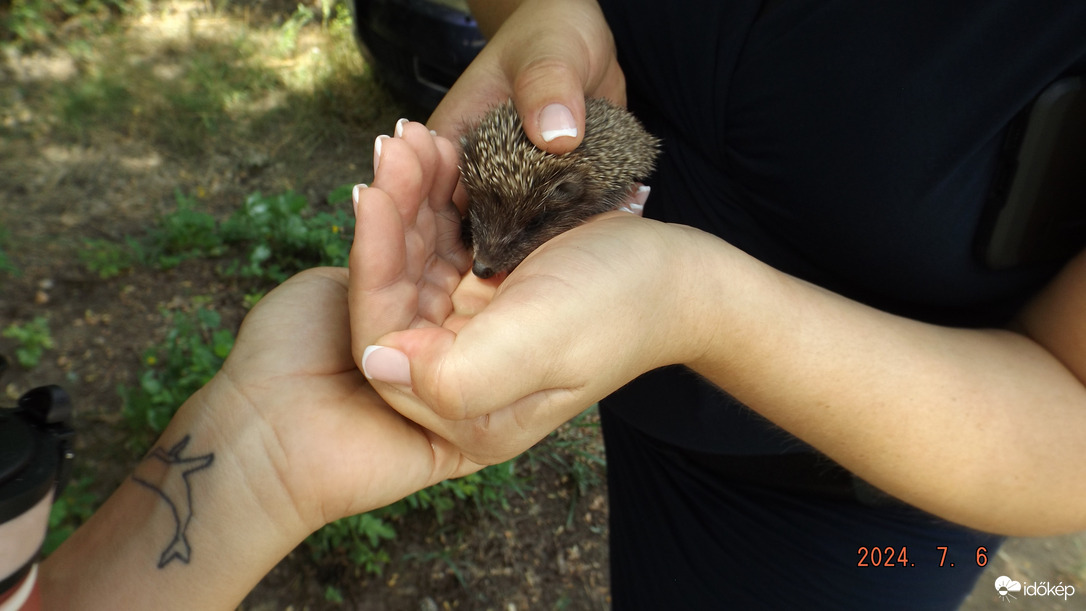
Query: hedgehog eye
{"points": [[537, 222], [566, 191]]}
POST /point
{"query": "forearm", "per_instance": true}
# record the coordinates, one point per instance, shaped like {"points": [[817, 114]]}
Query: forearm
{"points": [[982, 427], [141, 551]]}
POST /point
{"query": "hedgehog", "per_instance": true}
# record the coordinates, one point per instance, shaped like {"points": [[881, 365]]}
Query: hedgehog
{"points": [[520, 196]]}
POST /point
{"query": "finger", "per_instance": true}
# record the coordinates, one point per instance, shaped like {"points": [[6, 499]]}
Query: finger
{"points": [[423, 143], [467, 374], [381, 297], [548, 92], [446, 174], [472, 295], [435, 303], [438, 160], [449, 245], [493, 437], [550, 76], [399, 174], [635, 200], [501, 435], [438, 243]]}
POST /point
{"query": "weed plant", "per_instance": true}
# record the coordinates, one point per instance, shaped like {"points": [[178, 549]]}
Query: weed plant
{"points": [[269, 238], [33, 340], [192, 352], [73, 507], [575, 453], [359, 538]]}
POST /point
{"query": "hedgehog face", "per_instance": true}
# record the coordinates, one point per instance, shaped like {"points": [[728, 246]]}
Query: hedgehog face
{"points": [[520, 196], [511, 218]]}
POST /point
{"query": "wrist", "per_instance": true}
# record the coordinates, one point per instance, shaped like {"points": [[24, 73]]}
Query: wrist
{"points": [[197, 525], [723, 296], [249, 454]]}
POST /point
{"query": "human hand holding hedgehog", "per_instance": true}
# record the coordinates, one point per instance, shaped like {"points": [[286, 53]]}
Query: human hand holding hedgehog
{"points": [[495, 368], [547, 56]]}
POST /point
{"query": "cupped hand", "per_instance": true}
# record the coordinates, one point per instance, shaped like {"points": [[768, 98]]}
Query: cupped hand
{"points": [[493, 370], [547, 56], [299, 409]]}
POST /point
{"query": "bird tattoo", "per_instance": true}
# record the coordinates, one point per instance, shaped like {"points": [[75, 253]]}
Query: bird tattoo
{"points": [[172, 472]]}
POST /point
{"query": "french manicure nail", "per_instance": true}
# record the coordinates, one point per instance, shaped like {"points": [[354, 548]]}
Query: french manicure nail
{"points": [[635, 200], [556, 121], [377, 152], [399, 127], [354, 195], [386, 365]]}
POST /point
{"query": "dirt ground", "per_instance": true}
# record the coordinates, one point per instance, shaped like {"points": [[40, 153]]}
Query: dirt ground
{"points": [[59, 186]]}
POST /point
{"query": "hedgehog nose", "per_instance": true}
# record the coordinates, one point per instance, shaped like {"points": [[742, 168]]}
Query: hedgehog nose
{"points": [[482, 270]]}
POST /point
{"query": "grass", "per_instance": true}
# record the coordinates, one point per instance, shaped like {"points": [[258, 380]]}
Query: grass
{"points": [[196, 85], [32, 23], [33, 339], [267, 238], [574, 452]]}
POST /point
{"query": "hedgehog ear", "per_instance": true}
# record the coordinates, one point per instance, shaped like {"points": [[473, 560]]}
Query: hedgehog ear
{"points": [[566, 191]]}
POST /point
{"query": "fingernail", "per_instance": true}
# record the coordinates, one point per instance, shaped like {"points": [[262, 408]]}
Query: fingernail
{"points": [[433, 132], [386, 365], [635, 201], [377, 152], [399, 127], [556, 121], [354, 195], [642, 194]]}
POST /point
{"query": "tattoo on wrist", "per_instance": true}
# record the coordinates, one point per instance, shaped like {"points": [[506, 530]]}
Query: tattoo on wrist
{"points": [[174, 487]]}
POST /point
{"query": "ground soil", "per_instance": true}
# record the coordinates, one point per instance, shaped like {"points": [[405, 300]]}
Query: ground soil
{"points": [[547, 552]]}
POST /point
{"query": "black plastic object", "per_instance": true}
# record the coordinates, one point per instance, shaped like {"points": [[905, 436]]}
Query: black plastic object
{"points": [[36, 451]]}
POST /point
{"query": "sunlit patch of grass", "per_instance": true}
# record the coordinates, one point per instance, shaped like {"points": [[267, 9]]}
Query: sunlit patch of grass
{"points": [[28, 24], [190, 79]]}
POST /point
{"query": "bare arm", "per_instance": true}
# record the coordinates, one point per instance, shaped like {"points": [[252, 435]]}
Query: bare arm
{"points": [[141, 550], [287, 437], [983, 427]]}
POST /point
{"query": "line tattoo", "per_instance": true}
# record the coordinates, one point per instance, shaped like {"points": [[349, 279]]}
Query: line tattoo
{"points": [[176, 490]]}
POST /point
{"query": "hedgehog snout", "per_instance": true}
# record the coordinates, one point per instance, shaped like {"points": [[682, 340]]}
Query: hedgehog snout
{"points": [[482, 270]]}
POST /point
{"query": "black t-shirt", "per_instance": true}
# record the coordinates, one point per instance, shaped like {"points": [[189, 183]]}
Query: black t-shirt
{"points": [[849, 143]]}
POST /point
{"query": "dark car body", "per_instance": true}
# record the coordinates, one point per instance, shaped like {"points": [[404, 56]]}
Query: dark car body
{"points": [[417, 47]]}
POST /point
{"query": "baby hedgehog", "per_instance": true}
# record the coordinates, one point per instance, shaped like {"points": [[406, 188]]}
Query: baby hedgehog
{"points": [[520, 196]]}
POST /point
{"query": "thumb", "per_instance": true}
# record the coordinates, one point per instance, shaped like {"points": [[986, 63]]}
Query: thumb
{"points": [[549, 96], [552, 71]]}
